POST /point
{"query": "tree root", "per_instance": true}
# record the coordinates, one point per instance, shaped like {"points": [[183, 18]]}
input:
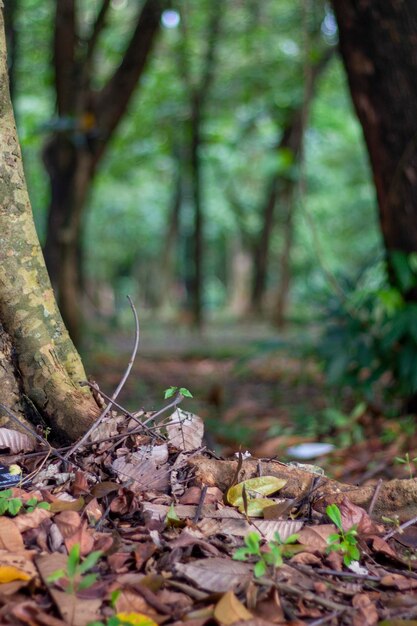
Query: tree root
{"points": [[395, 498]]}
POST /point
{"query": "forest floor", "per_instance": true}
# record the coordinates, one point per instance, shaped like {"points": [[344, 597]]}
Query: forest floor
{"points": [[145, 526]]}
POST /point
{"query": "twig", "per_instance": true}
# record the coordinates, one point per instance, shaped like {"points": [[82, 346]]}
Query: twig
{"points": [[119, 387], [120, 407], [375, 497], [305, 594], [325, 619], [400, 528], [200, 504]]}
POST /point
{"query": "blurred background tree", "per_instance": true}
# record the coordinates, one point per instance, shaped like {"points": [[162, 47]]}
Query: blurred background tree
{"points": [[236, 184]]}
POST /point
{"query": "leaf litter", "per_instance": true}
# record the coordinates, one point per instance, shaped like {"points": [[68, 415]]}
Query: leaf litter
{"points": [[167, 519]]}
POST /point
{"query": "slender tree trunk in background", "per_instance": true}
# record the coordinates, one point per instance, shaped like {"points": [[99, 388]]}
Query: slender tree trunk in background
{"points": [[378, 43], [284, 266], [39, 367], [87, 120], [263, 245], [167, 270], [196, 192], [199, 92], [281, 191]]}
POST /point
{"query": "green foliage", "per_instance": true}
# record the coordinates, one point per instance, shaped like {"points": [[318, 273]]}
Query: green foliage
{"points": [[75, 576], [344, 541], [269, 559], [408, 462], [171, 391], [13, 506], [370, 337]]}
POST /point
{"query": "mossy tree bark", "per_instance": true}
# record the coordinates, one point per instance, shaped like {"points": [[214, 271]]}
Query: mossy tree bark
{"points": [[40, 369]]}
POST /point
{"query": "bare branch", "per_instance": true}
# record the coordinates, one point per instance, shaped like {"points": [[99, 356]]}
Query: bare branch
{"points": [[112, 100]]}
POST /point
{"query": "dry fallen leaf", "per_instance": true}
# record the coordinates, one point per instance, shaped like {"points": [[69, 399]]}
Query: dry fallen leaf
{"points": [[185, 430], [255, 487], [230, 610], [10, 537], [218, 575], [16, 441]]}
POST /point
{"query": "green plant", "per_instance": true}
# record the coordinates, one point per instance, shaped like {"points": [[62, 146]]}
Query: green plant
{"points": [[13, 506], [171, 391], [408, 462], [272, 557], [75, 574], [344, 541], [370, 337]]}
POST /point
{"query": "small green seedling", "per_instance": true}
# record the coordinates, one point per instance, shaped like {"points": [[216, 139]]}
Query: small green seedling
{"points": [[171, 391], [272, 557], [344, 541], [75, 575], [408, 462], [13, 506]]}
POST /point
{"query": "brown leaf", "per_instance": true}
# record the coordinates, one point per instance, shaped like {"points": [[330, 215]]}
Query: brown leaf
{"points": [[230, 610], [219, 575], [30, 613], [305, 558], [187, 538], [383, 547], [185, 430], [10, 537], [315, 537], [143, 552], [144, 475], [398, 582], [355, 515], [67, 505], [31, 520], [366, 615], [80, 485], [68, 523], [16, 441]]}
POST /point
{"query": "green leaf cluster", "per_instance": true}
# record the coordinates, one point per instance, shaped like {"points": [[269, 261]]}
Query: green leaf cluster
{"points": [[265, 559], [13, 506], [171, 391], [344, 541], [75, 574]]}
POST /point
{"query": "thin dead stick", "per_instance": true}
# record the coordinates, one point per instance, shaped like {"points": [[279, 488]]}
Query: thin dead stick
{"points": [[119, 406], [305, 594], [400, 528], [118, 388], [33, 433], [375, 497]]}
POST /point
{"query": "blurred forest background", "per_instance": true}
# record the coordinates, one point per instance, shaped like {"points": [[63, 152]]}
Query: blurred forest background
{"points": [[231, 197]]}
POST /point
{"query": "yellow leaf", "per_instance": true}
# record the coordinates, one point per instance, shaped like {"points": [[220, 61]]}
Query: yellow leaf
{"points": [[229, 610], [136, 619], [255, 487], [8, 573], [255, 507]]}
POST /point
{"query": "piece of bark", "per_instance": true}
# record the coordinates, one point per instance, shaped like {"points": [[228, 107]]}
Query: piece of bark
{"points": [[396, 497]]}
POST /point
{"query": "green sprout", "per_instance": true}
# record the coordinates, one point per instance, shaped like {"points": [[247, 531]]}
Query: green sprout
{"points": [[171, 391], [13, 506], [272, 557], [408, 462], [75, 574], [344, 541]]}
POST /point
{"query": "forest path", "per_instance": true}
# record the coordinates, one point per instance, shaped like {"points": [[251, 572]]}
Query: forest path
{"points": [[254, 390]]}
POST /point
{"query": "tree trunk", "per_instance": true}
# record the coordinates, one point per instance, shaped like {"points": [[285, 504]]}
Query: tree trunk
{"points": [[379, 48], [279, 316], [38, 363], [87, 121]]}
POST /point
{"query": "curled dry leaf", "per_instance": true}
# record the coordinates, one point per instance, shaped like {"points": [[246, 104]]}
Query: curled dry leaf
{"points": [[157, 454], [68, 523], [230, 610], [10, 537], [31, 520], [16, 441], [217, 575], [144, 474], [255, 488], [185, 430]]}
